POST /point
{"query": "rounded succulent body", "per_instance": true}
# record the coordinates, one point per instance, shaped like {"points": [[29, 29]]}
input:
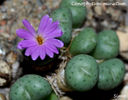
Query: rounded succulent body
{"points": [[79, 12], [64, 16], [81, 72], [52, 96], [85, 42], [107, 45], [30, 87], [111, 74]]}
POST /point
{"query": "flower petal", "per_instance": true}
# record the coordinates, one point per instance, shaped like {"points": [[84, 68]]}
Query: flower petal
{"points": [[29, 50], [19, 45], [49, 22], [52, 48], [52, 27], [49, 53], [35, 53], [22, 33], [54, 34], [42, 52], [29, 26], [55, 42], [26, 43], [43, 24]]}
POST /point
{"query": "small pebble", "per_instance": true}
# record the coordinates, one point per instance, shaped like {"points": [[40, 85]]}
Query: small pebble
{"points": [[65, 98], [2, 97]]}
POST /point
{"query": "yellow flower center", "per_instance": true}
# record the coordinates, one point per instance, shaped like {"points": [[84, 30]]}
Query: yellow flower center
{"points": [[40, 40]]}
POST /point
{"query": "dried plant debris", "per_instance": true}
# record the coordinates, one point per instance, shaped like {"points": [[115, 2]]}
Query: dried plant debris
{"points": [[57, 79]]}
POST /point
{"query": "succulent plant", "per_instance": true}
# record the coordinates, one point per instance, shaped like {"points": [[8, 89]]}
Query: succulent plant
{"points": [[79, 12], [30, 87], [81, 72], [107, 45], [52, 96], [111, 74], [84, 42], [64, 16]]}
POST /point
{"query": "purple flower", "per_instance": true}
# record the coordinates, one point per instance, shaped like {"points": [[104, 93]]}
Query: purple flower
{"points": [[43, 42]]}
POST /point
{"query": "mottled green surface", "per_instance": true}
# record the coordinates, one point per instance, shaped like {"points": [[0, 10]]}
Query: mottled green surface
{"points": [[78, 12], [64, 16], [107, 45], [52, 96], [81, 72], [30, 87], [111, 74], [85, 42]]}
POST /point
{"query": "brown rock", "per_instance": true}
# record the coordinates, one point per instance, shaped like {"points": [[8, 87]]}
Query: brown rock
{"points": [[126, 78], [123, 37], [124, 93], [4, 67], [2, 97], [11, 57], [5, 73], [2, 81], [98, 10]]}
